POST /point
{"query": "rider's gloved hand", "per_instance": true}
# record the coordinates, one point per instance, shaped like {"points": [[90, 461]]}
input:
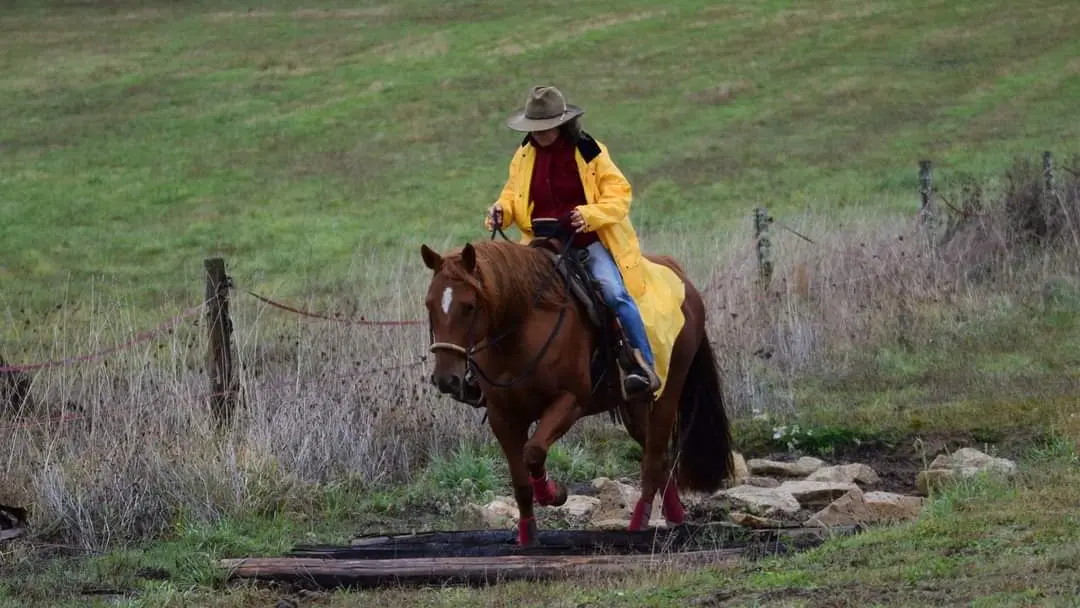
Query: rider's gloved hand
{"points": [[494, 217]]}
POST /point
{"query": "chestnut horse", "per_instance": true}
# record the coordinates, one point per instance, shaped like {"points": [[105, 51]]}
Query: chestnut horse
{"points": [[501, 312]]}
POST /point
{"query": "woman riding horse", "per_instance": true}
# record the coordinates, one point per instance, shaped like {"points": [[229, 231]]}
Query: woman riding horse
{"points": [[498, 314], [560, 172]]}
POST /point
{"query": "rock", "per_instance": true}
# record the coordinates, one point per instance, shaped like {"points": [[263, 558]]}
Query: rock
{"points": [[932, 479], [760, 501], [578, 509], [616, 499], [816, 493], [616, 503], [753, 521], [849, 509], [497, 514], [965, 462], [968, 461], [739, 471], [858, 507], [846, 473], [800, 468], [610, 524], [762, 482], [888, 507]]}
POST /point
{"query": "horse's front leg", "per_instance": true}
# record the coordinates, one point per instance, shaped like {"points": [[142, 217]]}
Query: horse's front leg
{"points": [[555, 420], [511, 434]]}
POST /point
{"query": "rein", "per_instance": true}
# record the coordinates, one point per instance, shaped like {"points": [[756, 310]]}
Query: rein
{"points": [[470, 350]]}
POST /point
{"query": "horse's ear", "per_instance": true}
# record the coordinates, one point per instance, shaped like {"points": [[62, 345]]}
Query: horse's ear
{"points": [[431, 258], [468, 257]]}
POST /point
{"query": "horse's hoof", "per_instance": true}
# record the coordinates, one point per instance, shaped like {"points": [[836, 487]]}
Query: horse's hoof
{"points": [[560, 495], [640, 516], [673, 512], [547, 492], [527, 532]]}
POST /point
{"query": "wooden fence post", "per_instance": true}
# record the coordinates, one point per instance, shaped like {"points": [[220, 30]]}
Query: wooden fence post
{"points": [[926, 189], [1048, 172], [926, 169], [764, 247], [223, 384]]}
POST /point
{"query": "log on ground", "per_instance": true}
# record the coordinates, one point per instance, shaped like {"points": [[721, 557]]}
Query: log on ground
{"points": [[327, 573], [494, 543]]}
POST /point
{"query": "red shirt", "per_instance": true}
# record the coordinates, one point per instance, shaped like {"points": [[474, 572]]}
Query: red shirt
{"points": [[556, 186]]}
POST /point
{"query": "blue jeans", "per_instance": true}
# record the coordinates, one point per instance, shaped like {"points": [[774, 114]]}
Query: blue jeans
{"points": [[604, 271]]}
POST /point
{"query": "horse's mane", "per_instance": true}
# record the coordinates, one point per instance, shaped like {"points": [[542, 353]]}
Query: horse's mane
{"points": [[511, 279]]}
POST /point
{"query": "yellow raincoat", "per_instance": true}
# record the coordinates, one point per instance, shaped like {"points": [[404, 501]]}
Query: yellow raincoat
{"points": [[657, 290]]}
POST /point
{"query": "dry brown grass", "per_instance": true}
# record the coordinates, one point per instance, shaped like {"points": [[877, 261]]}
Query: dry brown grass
{"points": [[138, 452], [865, 285]]}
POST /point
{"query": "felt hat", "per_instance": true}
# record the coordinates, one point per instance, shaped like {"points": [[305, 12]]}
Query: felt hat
{"points": [[545, 108]]}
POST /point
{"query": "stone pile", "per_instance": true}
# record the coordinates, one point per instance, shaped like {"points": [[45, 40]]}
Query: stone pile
{"points": [[762, 494]]}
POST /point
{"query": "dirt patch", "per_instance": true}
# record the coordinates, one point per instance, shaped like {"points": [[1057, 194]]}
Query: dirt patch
{"points": [[897, 461]]}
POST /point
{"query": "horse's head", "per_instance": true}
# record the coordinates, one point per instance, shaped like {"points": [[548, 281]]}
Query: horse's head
{"points": [[454, 303]]}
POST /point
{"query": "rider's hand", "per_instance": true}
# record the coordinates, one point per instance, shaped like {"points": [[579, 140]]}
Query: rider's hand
{"points": [[494, 217], [577, 220]]}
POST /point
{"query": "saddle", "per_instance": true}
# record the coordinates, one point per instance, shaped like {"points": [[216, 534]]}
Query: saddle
{"points": [[612, 347]]}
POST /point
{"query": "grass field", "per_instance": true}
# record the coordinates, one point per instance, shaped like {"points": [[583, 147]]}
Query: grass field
{"points": [[302, 143], [315, 147]]}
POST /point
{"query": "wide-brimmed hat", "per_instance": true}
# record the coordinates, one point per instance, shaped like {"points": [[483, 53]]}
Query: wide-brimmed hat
{"points": [[545, 108]]}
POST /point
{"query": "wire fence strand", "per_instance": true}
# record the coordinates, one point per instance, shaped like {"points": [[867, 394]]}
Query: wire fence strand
{"points": [[139, 338]]}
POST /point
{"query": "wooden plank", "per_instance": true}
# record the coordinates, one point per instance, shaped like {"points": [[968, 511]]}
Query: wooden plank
{"points": [[492, 543], [572, 542], [556, 537], [459, 570]]}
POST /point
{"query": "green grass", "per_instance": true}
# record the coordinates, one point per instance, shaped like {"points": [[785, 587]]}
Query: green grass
{"points": [[978, 541], [304, 144]]}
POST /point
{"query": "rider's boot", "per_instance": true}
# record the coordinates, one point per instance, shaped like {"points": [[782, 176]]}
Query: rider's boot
{"points": [[639, 376]]}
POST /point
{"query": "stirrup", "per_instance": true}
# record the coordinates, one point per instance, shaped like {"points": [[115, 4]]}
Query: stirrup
{"points": [[654, 380], [649, 384]]}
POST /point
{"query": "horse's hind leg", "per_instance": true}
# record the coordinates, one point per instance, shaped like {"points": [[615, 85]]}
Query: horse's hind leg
{"points": [[636, 421], [654, 466]]}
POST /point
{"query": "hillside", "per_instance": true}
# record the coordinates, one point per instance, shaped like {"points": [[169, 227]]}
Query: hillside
{"points": [[305, 144]]}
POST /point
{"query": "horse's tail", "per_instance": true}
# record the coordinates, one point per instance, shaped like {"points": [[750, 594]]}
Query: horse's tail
{"points": [[703, 439]]}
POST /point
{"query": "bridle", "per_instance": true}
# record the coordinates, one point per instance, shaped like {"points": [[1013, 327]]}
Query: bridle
{"points": [[470, 350]]}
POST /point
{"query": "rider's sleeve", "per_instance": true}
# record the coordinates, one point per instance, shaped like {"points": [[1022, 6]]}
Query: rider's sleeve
{"points": [[506, 198], [613, 204]]}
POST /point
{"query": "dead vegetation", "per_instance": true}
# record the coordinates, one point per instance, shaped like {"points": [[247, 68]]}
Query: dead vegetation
{"points": [[867, 286]]}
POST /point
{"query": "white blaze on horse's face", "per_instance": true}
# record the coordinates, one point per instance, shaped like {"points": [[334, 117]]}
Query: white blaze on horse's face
{"points": [[447, 299]]}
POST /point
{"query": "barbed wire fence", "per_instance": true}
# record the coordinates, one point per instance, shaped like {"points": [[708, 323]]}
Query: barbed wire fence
{"points": [[223, 394]]}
